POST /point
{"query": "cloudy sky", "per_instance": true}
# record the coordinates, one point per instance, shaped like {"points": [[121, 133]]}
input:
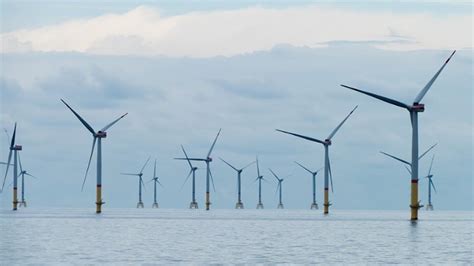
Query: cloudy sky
{"points": [[183, 70]]}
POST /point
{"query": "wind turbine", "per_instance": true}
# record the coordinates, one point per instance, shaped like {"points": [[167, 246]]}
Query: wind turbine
{"points": [[22, 174], [193, 204], [413, 109], [209, 178], [406, 162], [140, 183], [259, 178], [155, 180], [14, 148], [279, 187], [239, 204], [429, 207], [327, 164], [97, 137], [314, 205]]}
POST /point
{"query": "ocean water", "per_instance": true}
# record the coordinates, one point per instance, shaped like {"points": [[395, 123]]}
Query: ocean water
{"points": [[167, 236]]}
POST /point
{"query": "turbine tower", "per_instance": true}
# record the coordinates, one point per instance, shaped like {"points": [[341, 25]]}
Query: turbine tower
{"points": [[314, 205], [209, 178], [23, 172], [140, 183], [327, 164], [14, 148], [193, 204], [259, 178], [413, 109], [429, 207], [239, 204], [97, 137], [279, 188], [155, 180]]}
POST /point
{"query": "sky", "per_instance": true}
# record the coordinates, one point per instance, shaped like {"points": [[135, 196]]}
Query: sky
{"points": [[183, 70]]}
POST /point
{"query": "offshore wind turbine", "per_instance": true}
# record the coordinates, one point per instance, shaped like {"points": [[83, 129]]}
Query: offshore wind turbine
{"points": [[279, 188], [259, 178], [193, 204], [140, 183], [429, 207], [155, 180], [405, 161], [314, 205], [14, 148], [327, 164], [209, 178], [239, 204], [22, 174], [97, 137], [413, 109]]}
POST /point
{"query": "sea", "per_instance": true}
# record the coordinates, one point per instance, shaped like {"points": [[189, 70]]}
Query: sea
{"points": [[33, 236]]}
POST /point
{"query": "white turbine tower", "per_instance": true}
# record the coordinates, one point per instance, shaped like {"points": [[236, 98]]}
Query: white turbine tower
{"points": [[413, 109], [327, 164], [97, 137], [140, 183]]}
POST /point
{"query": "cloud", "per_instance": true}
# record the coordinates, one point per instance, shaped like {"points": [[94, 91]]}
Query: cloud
{"points": [[143, 31]]}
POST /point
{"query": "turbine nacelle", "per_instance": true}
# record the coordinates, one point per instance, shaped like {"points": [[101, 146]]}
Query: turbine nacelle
{"points": [[209, 159], [101, 134], [418, 107], [16, 148], [327, 142]]}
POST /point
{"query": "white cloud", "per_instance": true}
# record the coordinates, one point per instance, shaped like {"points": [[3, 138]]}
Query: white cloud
{"points": [[142, 31]]}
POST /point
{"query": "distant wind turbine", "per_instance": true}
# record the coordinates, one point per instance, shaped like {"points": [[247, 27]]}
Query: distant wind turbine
{"points": [[429, 207], [413, 109], [314, 205], [327, 164], [140, 183], [193, 204], [239, 204], [155, 180], [14, 148], [259, 178], [22, 174], [209, 178], [97, 137], [279, 188]]}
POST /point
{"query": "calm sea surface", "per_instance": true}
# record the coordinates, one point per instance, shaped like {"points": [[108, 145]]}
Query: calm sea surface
{"points": [[164, 236]]}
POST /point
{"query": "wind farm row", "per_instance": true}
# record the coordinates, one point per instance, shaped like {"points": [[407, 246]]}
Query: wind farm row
{"points": [[412, 165]]}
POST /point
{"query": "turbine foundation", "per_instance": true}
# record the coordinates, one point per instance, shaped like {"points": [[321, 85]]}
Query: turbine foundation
{"points": [[155, 205], [259, 205], [239, 205], [193, 205], [22, 204], [140, 205], [280, 206], [429, 207], [314, 206]]}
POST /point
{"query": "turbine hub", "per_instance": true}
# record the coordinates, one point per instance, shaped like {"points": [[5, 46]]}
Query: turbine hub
{"points": [[327, 142], [101, 134], [209, 159], [418, 107]]}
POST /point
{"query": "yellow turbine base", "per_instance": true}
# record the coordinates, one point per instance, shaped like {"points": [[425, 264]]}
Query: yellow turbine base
{"points": [[98, 199], [15, 198], [414, 206], [326, 201], [208, 202]]}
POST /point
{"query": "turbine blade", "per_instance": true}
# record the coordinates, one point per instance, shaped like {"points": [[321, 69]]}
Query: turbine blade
{"points": [[214, 143], [408, 169], [150, 180], [431, 164], [258, 168], [432, 184], [143, 184], [80, 118], [421, 156], [130, 174], [187, 158], [89, 163], [396, 158], [382, 98], [301, 136], [159, 183], [12, 143], [422, 93], [154, 170], [212, 180], [340, 125], [278, 179], [276, 191], [31, 175], [248, 165], [228, 164], [143, 168], [330, 175], [304, 167], [8, 166], [113, 123], [186, 180], [19, 162], [191, 159]]}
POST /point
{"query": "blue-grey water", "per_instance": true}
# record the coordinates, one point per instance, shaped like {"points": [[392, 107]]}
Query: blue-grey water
{"points": [[164, 236]]}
